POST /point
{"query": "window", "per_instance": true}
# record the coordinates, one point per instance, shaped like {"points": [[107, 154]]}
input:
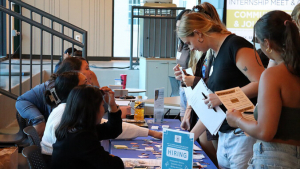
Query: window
{"points": [[133, 3], [122, 21], [2, 31]]}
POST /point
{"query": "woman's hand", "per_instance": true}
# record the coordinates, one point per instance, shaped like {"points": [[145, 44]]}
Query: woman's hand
{"points": [[155, 134], [188, 80], [233, 117], [212, 101], [185, 124], [177, 73], [109, 98]]}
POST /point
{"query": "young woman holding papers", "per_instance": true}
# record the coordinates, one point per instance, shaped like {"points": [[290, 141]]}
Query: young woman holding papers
{"points": [[278, 109], [200, 66], [234, 65]]}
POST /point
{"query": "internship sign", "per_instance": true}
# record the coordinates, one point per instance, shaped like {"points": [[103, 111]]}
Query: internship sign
{"points": [[177, 149], [243, 14]]}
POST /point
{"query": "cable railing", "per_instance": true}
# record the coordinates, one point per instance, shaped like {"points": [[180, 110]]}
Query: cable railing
{"points": [[43, 28]]}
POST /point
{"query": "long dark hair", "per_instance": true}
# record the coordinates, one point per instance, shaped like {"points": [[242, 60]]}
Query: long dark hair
{"points": [[83, 105], [69, 64], [64, 83], [283, 34]]}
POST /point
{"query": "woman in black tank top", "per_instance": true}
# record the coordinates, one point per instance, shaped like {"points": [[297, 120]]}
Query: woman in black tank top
{"points": [[278, 108], [234, 65]]}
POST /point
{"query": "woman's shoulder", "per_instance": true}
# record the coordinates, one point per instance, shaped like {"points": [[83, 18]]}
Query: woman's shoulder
{"points": [[235, 39]]}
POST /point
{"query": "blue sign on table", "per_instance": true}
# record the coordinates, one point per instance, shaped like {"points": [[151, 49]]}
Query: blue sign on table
{"points": [[177, 149]]}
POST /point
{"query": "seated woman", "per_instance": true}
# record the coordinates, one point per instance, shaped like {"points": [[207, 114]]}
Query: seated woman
{"points": [[64, 83], [79, 132], [31, 105], [68, 53]]}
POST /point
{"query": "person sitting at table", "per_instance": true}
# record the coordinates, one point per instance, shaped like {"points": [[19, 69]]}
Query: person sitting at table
{"points": [[67, 53], [278, 106], [31, 104], [79, 132]]}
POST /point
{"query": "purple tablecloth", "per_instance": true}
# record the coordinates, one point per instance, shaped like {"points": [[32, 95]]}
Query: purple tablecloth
{"points": [[173, 124]]}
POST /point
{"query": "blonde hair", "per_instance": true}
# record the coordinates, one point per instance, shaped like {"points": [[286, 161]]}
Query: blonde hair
{"points": [[199, 21], [213, 14], [296, 15], [194, 58]]}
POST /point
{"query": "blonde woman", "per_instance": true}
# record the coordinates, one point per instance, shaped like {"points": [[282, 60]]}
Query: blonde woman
{"points": [[234, 64]]}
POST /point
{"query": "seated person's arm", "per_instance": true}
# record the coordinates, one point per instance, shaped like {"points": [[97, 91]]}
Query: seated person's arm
{"points": [[130, 131], [31, 106]]}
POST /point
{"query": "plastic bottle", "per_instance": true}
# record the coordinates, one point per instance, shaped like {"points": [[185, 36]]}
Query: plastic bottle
{"points": [[139, 109]]}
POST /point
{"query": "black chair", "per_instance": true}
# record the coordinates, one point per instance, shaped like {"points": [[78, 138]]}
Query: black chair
{"points": [[175, 84], [19, 138], [32, 136], [34, 157]]}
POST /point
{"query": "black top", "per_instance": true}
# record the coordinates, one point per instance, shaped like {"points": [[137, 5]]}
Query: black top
{"points": [[225, 73], [82, 149]]}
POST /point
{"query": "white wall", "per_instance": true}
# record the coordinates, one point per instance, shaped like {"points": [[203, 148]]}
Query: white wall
{"points": [[95, 16]]}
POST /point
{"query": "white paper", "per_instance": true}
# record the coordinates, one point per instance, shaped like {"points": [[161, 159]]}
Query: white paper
{"points": [[196, 148], [211, 119], [198, 156], [132, 162], [122, 103]]}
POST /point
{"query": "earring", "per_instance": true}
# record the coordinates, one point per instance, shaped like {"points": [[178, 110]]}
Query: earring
{"points": [[269, 50], [200, 41]]}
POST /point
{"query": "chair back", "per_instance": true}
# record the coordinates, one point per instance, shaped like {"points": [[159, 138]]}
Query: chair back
{"points": [[34, 157], [32, 136], [175, 84]]}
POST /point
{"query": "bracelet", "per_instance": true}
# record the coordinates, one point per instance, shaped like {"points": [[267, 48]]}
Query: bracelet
{"points": [[238, 121]]}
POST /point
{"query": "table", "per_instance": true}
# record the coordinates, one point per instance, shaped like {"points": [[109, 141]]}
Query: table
{"points": [[173, 124], [135, 90], [171, 103]]}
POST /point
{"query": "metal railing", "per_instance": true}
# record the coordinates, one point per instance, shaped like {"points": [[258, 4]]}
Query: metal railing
{"points": [[155, 36], [40, 25]]}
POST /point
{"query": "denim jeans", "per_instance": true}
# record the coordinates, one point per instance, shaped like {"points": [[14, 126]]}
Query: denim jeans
{"points": [[268, 155], [234, 149], [183, 101]]}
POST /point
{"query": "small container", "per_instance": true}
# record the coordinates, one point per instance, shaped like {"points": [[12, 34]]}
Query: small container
{"points": [[139, 109], [117, 81]]}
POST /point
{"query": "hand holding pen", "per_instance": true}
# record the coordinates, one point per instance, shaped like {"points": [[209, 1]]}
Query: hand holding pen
{"points": [[209, 101]]}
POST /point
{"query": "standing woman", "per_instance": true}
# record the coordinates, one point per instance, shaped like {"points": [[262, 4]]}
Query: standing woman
{"points": [[234, 64], [278, 108]]}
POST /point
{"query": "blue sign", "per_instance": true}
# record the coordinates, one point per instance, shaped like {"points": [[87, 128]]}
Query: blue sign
{"points": [[177, 149]]}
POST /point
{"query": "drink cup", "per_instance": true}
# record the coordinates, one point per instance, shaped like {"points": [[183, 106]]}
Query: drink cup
{"points": [[123, 80]]}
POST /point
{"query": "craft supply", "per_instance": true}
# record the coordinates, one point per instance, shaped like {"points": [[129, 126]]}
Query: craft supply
{"points": [[120, 147]]}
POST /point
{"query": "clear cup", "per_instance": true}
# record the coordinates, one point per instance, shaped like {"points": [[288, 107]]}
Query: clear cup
{"points": [[117, 81]]}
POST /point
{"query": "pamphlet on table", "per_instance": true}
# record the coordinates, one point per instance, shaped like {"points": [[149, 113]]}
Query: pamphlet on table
{"points": [[159, 105]]}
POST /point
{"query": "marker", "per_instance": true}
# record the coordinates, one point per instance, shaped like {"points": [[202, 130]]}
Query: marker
{"points": [[206, 98]]}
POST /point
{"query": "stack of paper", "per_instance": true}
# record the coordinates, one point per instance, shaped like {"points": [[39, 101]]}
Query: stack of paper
{"points": [[210, 118]]}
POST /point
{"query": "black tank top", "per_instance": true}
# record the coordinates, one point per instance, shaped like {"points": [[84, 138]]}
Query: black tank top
{"points": [[225, 73]]}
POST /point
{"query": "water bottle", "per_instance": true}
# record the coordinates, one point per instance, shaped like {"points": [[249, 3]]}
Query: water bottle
{"points": [[139, 109]]}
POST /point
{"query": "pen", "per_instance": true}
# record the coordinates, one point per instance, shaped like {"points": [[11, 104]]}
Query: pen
{"points": [[206, 98], [247, 112]]}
